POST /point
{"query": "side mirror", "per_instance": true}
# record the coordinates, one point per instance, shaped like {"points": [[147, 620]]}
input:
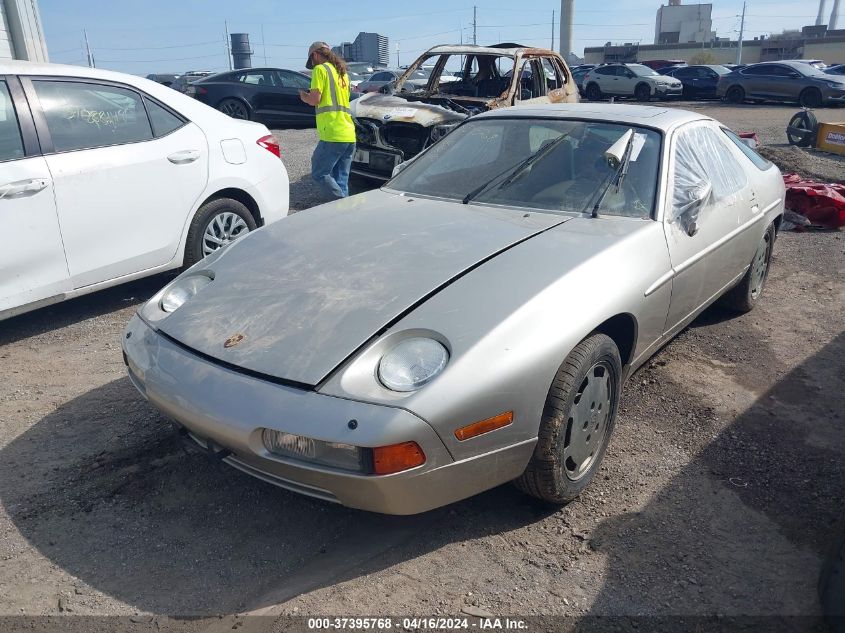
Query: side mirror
{"points": [[524, 95], [615, 153], [696, 197]]}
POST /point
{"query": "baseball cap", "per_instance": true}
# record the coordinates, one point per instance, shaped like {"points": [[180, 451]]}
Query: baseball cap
{"points": [[316, 46]]}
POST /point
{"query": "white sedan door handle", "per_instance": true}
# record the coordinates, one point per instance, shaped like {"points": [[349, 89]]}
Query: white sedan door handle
{"points": [[23, 188], [184, 157]]}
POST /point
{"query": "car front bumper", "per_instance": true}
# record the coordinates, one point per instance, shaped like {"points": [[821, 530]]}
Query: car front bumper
{"points": [[225, 409], [834, 96], [668, 91]]}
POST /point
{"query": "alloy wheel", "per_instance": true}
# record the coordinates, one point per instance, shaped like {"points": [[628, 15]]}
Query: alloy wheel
{"points": [[224, 228], [234, 109]]}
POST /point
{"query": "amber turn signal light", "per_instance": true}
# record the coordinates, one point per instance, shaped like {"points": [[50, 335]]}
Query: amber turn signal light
{"points": [[397, 457], [484, 426]]}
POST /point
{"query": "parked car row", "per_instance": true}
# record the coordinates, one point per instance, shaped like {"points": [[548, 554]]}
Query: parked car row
{"points": [[108, 177], [807, 82]]}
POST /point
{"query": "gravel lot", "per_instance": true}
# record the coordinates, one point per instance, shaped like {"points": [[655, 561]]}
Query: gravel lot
{"points": [[721, 493]]}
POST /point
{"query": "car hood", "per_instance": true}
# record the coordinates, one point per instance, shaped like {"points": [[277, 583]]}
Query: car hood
{"points": [[304, 293], [394, 108]]}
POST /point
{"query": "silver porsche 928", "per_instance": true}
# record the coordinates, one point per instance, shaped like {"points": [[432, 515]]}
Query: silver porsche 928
{"points": [[473, 321]]}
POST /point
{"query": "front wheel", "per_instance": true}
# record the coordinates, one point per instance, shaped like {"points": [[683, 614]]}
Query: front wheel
{"points": [[744, 296], [216, 224], [577, 422], [642, 93], [810, 98]]}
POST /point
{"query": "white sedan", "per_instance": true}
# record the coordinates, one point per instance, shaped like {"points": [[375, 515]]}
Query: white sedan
{"points": [[107, 177]]}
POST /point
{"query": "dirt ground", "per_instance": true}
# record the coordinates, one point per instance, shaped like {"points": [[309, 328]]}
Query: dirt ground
{"points": [[721, 493]]}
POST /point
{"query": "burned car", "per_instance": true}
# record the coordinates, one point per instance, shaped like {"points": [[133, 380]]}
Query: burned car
{"points": [[392, 128]]}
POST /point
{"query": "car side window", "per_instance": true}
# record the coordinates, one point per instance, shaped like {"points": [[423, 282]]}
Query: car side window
{"points": [[162, 120], [87, 115], [759, 162], [381, 77], [755, 70], [292, 80], [11, 143], [554, 77], [706, 175], [605, 70]]}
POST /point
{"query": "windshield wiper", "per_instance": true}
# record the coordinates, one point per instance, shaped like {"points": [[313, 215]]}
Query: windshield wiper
{"points": [[617, 177], [515, 170]]}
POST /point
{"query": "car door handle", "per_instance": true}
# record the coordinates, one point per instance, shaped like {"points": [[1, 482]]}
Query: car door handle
{"points": [[184, 157], [23, 188]]}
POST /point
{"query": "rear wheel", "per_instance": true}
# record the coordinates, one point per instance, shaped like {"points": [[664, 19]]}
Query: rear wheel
{"points": [[235, 108], [216, 224], [744, 296], [578, 419], [810, 98], [593, 92], [735, 94], [642, 92]]}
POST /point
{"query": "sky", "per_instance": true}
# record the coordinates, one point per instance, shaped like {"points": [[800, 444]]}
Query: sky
{"points": [[147, 36]]}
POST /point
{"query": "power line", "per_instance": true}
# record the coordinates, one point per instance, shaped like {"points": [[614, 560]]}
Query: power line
{"points": [[150, 61], [157, 48]]}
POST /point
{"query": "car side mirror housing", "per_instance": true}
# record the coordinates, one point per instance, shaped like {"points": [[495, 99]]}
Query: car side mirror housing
{"points": [[524, 95], [696, 198]]}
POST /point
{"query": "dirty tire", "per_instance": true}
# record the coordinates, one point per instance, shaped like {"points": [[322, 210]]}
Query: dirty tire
{"points": [[801, 130], [810, 98], [745, 295], [735, 94], [593, 92], [546, 476], [203, 218], [642, 92], [235, 108]]}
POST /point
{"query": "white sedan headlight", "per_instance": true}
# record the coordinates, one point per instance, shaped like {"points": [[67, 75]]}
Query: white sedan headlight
{"points": [[183, 289], [412, 363]]}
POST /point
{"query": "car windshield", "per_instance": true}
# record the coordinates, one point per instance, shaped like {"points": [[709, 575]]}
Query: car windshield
{"points": [[642, 71], [567, 174]]}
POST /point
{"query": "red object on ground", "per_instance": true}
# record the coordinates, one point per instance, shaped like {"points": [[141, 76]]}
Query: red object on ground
{"points": [[821, 203], [751, 135]]}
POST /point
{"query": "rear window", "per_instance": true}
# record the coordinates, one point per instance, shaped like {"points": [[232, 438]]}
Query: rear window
{"points": [[11, 145], [759, 162]]}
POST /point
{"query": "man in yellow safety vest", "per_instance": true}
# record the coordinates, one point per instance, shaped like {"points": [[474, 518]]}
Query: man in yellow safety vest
{"points": [[329, 93]]}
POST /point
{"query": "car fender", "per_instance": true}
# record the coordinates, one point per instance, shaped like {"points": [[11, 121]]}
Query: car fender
{"points": [[507, 344]]}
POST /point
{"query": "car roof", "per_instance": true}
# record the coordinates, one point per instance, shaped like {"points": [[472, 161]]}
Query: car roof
{"points": [[472, 49], [650, 116]]}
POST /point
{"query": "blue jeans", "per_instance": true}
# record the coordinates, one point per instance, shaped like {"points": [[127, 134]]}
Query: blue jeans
{"points": [[330, 165]]}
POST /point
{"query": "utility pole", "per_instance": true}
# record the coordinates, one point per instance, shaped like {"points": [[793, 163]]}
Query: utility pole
{"points": [[553, 30], [741, 34], [88, 49], [263, 45], [228, 43], [397, 55], [474, 23]]}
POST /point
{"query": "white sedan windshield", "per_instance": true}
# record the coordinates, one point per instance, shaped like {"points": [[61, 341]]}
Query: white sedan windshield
{"points": [[488, 160]]}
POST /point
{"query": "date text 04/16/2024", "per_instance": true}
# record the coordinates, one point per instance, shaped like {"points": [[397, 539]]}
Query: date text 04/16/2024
{"points": [[416, 623]]}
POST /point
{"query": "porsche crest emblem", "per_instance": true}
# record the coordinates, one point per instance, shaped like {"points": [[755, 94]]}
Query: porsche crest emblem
{"points": [[233, 340]]}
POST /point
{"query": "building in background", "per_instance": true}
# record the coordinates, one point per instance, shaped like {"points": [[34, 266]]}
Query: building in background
{"points": [[809, 43], [21, 34], [683, 23], [367, 47]]}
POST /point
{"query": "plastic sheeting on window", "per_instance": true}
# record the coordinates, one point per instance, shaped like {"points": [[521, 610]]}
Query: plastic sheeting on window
{"points": [[706, 175]]}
